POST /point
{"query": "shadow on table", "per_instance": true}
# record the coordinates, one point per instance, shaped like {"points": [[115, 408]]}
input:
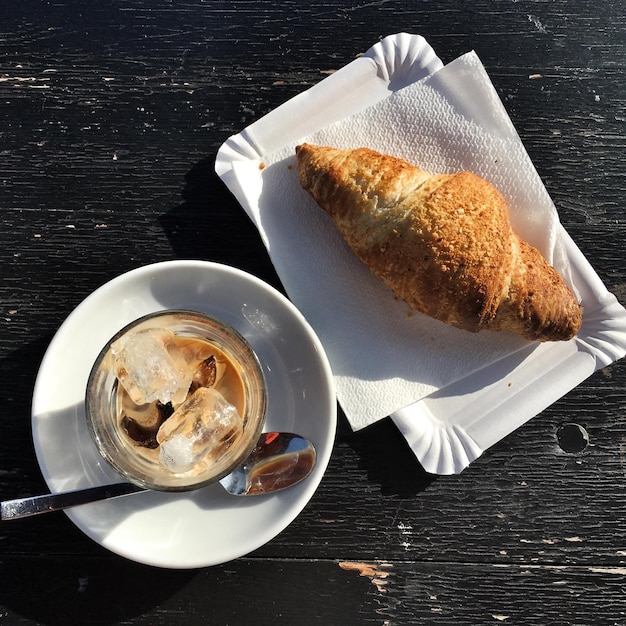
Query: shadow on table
{"points": [[100, 592], [211, 225], [19, 471], [385, 455], [82, 590]]}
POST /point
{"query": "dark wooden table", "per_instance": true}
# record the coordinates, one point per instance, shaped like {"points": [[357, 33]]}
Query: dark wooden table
{"points": [[110, 117]]}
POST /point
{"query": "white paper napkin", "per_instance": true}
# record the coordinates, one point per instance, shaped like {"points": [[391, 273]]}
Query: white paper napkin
{"points": [[385, 357]]}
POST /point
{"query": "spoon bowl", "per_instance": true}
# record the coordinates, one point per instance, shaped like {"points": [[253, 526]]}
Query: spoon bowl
{"points": [[278, 461]]}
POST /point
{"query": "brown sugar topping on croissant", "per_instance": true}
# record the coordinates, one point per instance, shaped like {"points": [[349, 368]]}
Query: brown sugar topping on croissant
{"points": [[443, 243]]}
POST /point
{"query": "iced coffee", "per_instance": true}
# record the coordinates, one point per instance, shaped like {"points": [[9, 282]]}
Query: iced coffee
{"points": [[176, 400]]}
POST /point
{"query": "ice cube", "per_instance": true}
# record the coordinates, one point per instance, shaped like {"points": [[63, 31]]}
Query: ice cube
{"points": [[150, 367], [209, 423], [177, 454]]}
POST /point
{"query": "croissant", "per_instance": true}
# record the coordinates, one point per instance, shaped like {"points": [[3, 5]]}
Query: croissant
{"points": [[443, 243]]}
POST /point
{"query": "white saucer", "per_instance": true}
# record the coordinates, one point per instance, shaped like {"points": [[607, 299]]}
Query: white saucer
{"points": [[206, 527]]}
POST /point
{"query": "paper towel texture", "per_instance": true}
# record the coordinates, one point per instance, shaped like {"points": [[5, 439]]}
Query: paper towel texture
{"points": [[385, 357]]}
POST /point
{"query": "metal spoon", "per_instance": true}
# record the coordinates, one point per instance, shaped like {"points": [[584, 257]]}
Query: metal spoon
{"points": [[278, 461]]}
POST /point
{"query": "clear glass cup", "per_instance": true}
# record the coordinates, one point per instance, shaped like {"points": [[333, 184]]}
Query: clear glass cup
{"points": [[137, 456]]}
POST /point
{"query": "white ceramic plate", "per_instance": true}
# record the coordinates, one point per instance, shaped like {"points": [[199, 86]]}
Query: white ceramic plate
{"points": [[206, 527]]}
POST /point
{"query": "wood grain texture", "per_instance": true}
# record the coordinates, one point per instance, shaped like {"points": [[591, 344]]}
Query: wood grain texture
{"points": [[319, 592], [110, 117]]}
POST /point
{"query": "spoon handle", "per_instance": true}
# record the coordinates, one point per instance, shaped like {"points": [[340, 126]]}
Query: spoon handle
{"points": [[35, 505], [278, 461]]}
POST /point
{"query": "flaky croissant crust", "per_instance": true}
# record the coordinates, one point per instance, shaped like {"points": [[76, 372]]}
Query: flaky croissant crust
{"points": [[443, 243]]}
